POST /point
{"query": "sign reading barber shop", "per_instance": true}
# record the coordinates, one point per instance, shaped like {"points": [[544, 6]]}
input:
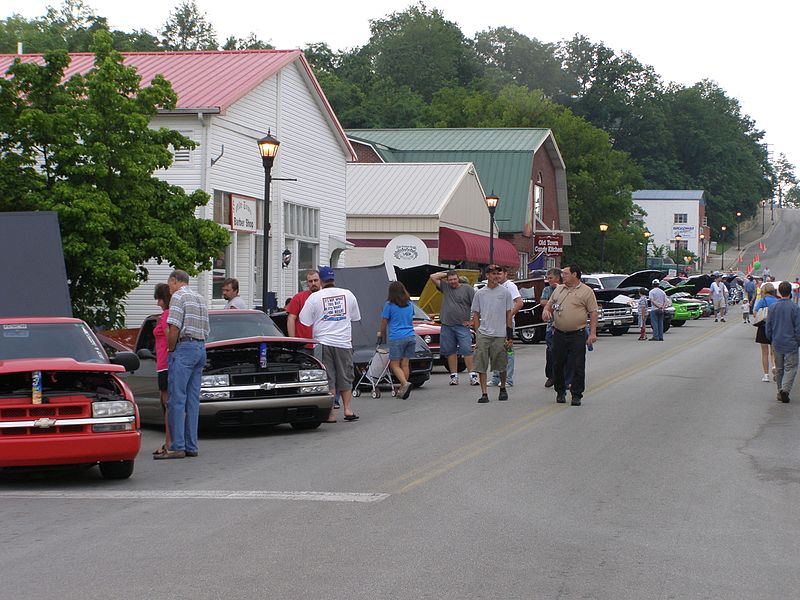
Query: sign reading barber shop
{"points": [[243, 213], [551, 245]]}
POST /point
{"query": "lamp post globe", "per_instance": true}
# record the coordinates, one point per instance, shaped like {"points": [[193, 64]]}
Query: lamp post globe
{"points": [[268, 148]]}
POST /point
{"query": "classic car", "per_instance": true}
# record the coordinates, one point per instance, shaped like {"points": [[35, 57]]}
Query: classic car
{"points": [[62, 400], [613, 316], [254, 374], [603, 281]]}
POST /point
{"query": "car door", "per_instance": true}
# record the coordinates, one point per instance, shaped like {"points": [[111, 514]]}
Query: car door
{"points": [[144, 381]]}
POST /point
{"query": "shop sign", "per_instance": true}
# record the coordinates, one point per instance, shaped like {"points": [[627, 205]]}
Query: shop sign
{"points": [[243, 214], [551, 245]]}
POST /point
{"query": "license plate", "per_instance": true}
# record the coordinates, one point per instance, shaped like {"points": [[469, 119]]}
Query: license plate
{"points": [[617, 322]]}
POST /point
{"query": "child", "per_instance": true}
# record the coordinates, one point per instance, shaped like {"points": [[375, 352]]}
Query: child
{"points": [[642, 305], [745, 310]]}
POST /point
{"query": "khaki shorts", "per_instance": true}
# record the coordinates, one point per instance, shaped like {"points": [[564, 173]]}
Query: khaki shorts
{"points": [[339, 364], [489, 351]]}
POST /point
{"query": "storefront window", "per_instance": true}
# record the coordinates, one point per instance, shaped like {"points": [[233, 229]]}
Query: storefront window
{"points": [[306, 259]]}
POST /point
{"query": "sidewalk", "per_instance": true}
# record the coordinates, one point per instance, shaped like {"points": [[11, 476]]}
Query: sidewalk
{"points": [[749, 243]]}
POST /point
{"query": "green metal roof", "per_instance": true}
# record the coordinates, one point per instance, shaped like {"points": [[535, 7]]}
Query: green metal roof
{"points": [[503, 159]]}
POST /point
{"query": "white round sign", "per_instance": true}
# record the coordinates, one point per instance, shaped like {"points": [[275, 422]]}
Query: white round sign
{"points": [[404, 251]]}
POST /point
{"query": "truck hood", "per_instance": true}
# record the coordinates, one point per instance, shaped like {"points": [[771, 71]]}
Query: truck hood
{"points": [[693, 285], [21, 365], [641, 279]]}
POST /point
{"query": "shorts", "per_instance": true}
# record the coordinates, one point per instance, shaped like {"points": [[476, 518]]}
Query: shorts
{"points": [[402, 348], [339, 364], [163, 380], [719, 304], [455, 339], [490, 351]]}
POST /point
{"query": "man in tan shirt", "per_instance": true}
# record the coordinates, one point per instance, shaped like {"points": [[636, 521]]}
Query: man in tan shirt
{"points": [[570, 305]]}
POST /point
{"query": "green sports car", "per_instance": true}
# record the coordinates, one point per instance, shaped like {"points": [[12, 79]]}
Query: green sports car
{"points": [[686, 308]]}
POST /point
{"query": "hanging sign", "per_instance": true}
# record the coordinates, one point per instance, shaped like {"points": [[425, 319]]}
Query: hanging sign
{"points": [[243, 213], [551, 245]]}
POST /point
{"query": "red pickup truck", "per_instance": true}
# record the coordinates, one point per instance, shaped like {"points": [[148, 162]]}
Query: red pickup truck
{"points": [[62, 401]]}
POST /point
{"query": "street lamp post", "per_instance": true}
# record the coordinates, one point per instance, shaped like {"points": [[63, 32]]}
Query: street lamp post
{"points": [[678, 239], [603, 229], [268, 147], [702, 250], [491, 204], [647, 235], [738, 235], [763, 206], [722, 264]]}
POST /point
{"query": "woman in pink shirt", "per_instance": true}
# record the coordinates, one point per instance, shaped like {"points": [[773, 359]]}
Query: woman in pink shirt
{"points": [[162, 296]]}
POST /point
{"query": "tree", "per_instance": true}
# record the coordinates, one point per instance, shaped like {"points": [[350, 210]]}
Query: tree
{"points": [[187, 29], [83, 148], [251, 42], [783, 177]]}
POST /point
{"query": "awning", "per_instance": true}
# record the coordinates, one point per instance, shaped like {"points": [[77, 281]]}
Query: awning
{"points": [[456, 246], [337, 243]]}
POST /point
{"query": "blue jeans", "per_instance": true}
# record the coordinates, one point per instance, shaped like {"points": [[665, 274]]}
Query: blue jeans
{"points": [[657, 323], [509, 372], [183, 409]]}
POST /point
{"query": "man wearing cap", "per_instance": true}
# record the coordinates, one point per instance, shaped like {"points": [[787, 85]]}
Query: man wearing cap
{"points": [[492, 307], [330, 312], [719, 296], [516, 297], [658, 302], [570, 305]]}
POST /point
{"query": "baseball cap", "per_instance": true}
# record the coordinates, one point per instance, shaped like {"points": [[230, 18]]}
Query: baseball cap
{"points": [[326, 274]]}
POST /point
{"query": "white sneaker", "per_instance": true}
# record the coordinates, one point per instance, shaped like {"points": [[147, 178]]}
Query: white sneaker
{"points": [[765, 377], [494, 383], [473, 379], [453, 379]]}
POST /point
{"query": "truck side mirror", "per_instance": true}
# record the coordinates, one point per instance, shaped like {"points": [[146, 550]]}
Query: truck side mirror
{"points": [[127, 359], [145, 354]]}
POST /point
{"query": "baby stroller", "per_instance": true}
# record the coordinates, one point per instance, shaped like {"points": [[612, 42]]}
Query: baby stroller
{"points": [[376, 372]]}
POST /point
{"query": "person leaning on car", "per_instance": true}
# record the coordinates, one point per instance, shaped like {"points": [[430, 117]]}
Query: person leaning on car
{"points": [[456, 318], [570, 305]]}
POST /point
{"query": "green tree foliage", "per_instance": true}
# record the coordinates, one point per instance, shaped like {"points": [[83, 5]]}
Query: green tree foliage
{"points": [[83, 148], [188, 29], [251, 42], [783, 177], [71, 28]]}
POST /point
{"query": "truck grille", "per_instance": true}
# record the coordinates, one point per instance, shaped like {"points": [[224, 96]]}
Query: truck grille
{"points": [[56, 410], [616, 313]]}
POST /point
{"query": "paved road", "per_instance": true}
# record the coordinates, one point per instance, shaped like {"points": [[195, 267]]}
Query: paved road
{"points": [[678, 478]]}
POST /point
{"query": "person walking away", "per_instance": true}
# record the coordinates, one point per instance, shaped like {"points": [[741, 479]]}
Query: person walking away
{"points": [[330, 313], [162, 296], [186, 339], [768, 298], [796, 290], [553, 277], [746, 310], [397, 319], [750, 292], [518, 304], [455, 316], [641, 305], [783, 328], [230, 291], [719, 296], [492, 308], [571, 304], [658, 301]]}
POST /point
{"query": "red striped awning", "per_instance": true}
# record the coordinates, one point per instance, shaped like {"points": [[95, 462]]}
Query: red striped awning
{"points": [[456, 246]]}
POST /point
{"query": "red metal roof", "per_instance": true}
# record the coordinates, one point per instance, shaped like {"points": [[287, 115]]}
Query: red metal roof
{"points": [[455, 246], [214, 79]]}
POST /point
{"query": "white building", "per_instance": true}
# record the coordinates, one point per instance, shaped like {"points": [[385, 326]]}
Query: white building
{"points": [[672, 213], [226, 102]]}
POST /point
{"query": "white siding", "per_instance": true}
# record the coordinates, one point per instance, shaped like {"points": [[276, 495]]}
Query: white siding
{"points": [[466, 209], [660, 217]]}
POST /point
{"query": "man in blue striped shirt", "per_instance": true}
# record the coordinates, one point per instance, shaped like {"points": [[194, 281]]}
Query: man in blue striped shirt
{"points": [[783, 329], [186, 339]]}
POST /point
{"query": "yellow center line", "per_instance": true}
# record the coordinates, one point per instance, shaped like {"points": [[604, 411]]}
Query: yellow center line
{"points": [[424, 473]]}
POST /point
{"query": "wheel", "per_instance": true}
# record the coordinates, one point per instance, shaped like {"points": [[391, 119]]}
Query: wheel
{"points": [[356, 393], [376, 394], [616, 331], [528, 336], [306, 425], [678, 323], [118, 469], [667, 325], [394, 392]]}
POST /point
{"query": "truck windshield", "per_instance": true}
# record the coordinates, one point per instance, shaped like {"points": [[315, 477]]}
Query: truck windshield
{"points": [[50, 340], [233, 324]]}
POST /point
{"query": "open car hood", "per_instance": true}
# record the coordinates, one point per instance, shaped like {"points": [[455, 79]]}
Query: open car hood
{"points": [[610, 294], [642, 279], [693, 285], [257, 339], [22, 365]]}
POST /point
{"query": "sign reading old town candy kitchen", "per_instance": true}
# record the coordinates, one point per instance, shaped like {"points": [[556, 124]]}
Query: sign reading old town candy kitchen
{"points": [[551, 245]]}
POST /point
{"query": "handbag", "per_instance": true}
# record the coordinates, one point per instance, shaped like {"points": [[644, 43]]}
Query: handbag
{"points": [[760, 316]]}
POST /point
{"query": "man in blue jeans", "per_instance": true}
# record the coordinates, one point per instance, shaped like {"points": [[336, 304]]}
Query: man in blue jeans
{"points": [[783, 328], [186, 340], [658, 301]]}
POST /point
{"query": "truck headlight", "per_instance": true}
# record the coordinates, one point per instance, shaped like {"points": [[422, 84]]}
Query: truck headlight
{"points": [[114, 408], [313, 375], [214, 380], [427, 339]]}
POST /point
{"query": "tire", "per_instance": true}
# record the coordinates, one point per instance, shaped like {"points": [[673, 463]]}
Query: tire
{"points": [[528, 336], [461, 366], [376, 394], [617, 331], [667, 325], [678, 323], [356, 393], [118, 469], [306, 425]]}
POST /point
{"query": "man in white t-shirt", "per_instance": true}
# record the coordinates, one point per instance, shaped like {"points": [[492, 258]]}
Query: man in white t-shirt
{"points": [[329, 312], [719, 297], [518, 302]]}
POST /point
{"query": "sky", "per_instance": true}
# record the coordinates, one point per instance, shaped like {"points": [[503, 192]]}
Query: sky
{"points": [[748, 48]]}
